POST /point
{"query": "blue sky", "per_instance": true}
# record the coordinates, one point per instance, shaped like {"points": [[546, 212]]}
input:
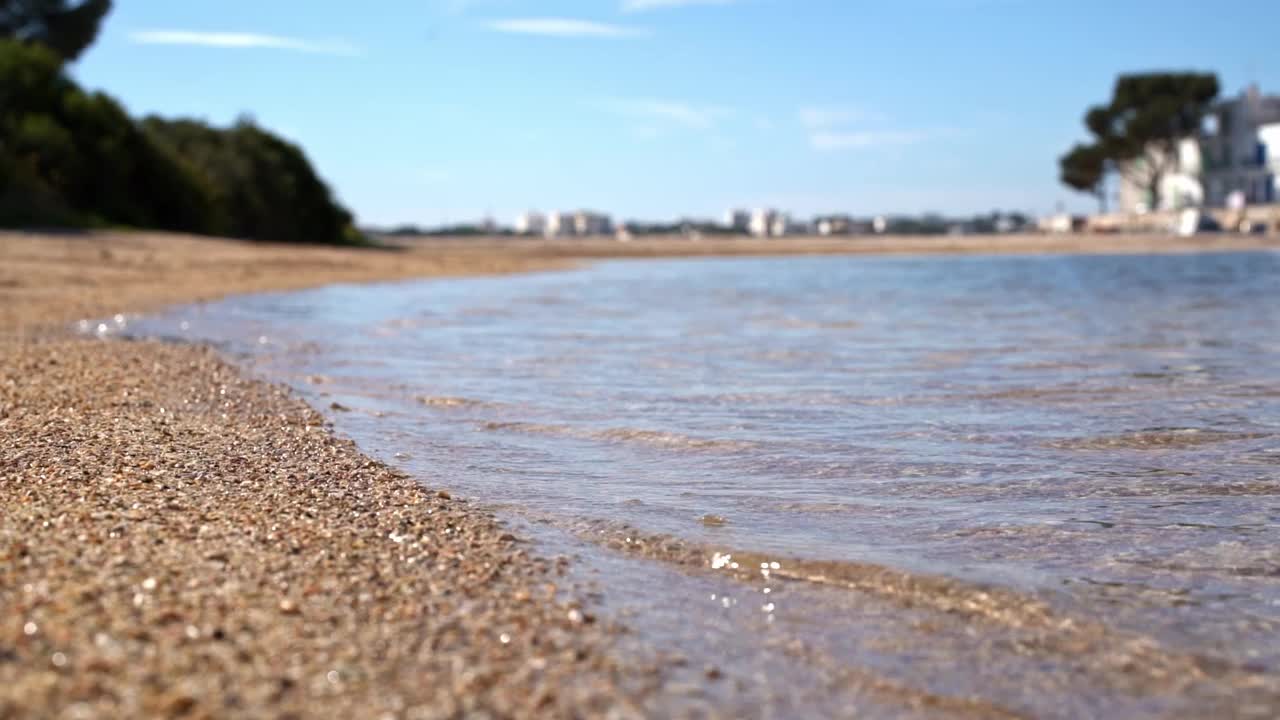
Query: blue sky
{"points": [[435, 111]]}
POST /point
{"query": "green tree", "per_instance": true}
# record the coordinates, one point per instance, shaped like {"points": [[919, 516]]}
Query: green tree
{"points": [[71, 157], [35, 148], [68, 157], [63, 27], [264, 187], [1138, 132], [1084, 168]]}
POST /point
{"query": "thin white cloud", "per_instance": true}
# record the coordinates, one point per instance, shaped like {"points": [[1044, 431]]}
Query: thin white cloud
{"points": [[817, 118], [695, 117], [646, 5], [844, 127], [241, 41], [860, 139], [563, 27]]}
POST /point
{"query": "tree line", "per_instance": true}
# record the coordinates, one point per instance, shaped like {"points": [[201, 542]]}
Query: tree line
{"points": [[70, 157]]}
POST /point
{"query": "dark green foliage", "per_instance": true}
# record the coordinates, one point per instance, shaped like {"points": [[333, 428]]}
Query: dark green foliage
{"points": [[1155, 108], [1138, 132], [65, 28], [1084, 168], [264, 187], [68, 157]]}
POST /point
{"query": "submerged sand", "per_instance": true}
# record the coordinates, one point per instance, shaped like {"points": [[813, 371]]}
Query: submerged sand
{"points": [[179, 540]]}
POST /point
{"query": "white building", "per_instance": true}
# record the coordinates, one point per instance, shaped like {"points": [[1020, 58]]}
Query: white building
{"points": [[565, 224], [779, 226], [1238, 152], [531, 223], [559, 224], [1179, 186], [737, 220], [587, 223], [841, 225], [783, 225], [1241, 149], [1059, 223], [762, 221]]}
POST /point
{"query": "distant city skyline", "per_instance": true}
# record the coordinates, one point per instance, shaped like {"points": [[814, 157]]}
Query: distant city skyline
{"points": [[434, 111]]}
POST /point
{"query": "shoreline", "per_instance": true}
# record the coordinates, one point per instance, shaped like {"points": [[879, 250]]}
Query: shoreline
{"points": [[594, 248], [185, 539], [65, 277], [182, 540]]}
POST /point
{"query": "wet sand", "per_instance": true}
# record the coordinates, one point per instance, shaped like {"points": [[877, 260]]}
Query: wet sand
{"points": [[180, 540]]}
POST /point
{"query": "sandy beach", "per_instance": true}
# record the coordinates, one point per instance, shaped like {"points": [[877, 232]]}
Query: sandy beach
{"points": [[181, 540]]}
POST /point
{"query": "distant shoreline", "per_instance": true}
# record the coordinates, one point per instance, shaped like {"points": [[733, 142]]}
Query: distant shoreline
{"points": [[49, 280], [593, 248]]}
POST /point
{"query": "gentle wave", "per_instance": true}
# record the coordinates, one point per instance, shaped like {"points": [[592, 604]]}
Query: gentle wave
{"points": [[656, 438], [1155, 439], [1056, 636], [445, 401]]}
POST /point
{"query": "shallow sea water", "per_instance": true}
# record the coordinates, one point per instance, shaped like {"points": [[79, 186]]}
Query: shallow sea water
{"points": [[1100, 433]]}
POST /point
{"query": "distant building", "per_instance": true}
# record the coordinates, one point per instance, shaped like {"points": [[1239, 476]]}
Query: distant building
{"points": [[531, 223], [1008, 224], [1059, 223], [1237, 154], [586, 223], [1179, 187], [778, 228], [1240, 149], [738, 220], [559, 224], [762, 222], [582, 223], [835, 225], [783, 225], [842, 225]]}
